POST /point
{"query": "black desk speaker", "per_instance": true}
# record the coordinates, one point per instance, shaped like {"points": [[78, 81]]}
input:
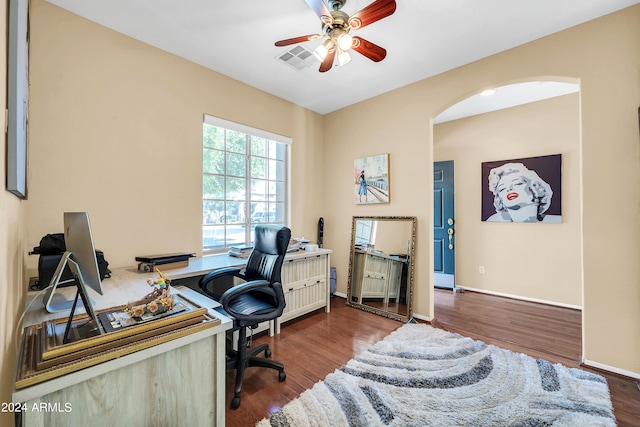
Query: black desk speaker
{"points": [[320, 231]]}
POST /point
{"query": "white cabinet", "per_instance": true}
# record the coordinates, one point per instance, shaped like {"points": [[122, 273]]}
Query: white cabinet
{"points": [[305, 282], [376, 276]]}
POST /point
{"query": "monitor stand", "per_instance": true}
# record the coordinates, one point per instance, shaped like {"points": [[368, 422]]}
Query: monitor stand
{"points": [[84, 328], [55, 302], [75, 329]]}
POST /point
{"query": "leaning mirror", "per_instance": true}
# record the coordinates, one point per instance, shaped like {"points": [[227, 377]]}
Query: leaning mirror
{"points": [[381, 265]]}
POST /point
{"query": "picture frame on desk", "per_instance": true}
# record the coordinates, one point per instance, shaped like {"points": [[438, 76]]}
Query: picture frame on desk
{"points": [[53, 346], [42, 356]]}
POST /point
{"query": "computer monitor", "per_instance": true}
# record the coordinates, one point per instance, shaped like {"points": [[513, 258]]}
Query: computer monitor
{"points": [[80, 249]]}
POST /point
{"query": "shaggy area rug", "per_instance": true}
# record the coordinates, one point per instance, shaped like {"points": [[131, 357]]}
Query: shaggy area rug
{"points": [[422, 376]]}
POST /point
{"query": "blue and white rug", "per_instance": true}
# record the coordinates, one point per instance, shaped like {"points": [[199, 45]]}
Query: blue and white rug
{"points": [[422, 376]]}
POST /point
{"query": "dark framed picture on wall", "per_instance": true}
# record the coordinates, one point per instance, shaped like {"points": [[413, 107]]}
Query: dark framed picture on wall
{"points": [[523, 190], [17, 98]]}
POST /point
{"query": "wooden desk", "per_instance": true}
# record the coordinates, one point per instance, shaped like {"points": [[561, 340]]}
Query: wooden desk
{"points": [[180, 382]]}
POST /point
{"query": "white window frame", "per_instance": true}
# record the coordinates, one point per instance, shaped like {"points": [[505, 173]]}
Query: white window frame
{"points": [[238, 127]]}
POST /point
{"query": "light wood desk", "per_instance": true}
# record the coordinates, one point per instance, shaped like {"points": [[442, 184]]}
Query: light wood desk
{"points": [[180, 382]]}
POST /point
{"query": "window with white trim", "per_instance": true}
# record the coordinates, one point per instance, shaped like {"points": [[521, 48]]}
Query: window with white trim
{"points": [[245, 181], [365, 232]]}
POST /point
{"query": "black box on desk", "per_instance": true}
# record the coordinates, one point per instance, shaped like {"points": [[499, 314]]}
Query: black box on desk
{"points": [[47, 265]]}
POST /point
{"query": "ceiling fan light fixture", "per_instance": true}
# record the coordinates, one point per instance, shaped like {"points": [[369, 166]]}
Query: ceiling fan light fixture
{"points": [[321, 51], [336, 26], [343, 57], [345, 41]]}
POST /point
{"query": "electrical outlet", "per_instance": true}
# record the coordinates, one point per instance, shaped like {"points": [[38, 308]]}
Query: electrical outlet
{"points": [[481, 269]]}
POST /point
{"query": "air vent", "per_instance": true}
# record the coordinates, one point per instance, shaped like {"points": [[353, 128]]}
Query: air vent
{"points": [[298, 58]]}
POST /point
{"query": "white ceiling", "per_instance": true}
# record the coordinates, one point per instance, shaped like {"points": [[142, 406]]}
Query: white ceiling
{"points": [[422, 38]]}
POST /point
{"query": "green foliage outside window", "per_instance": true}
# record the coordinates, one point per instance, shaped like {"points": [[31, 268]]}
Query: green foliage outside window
{"points": [[243, 184]]}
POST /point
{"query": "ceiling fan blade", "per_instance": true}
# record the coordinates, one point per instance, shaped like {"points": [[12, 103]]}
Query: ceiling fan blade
{"points": [[300, 39], [368, 49], [320, 9], [328, 61], [374, 12]]}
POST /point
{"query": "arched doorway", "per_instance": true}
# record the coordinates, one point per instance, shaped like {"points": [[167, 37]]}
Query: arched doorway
{"points": [[523, 119]]}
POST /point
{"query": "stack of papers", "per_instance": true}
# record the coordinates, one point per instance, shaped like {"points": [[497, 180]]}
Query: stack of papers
{"points": [[240, 251]]}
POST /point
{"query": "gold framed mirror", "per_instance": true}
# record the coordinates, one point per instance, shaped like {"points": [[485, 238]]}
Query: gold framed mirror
{"points": [[381, 265]]}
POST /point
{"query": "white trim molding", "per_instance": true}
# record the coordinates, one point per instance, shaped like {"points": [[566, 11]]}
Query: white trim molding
{"points": [[613, 369], [518, 297]]}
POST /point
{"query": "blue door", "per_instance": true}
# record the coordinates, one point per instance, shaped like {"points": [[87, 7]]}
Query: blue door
{"points": [[444, 255]]}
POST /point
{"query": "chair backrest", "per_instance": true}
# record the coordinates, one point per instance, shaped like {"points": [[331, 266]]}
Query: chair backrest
{"points": [[270, 247]]}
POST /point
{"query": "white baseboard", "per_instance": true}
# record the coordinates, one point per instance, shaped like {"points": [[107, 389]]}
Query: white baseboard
{"points": [[340, 294], [611, 369], [421, 317], [518, 297]]}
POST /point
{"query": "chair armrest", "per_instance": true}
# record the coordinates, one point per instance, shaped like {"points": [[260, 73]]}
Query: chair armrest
{"points": [[243, 288], [216, 274], [241, 296]]}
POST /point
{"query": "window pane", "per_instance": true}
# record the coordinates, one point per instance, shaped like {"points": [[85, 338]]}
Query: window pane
{"points": [[235, 213], [258, 189], [276, 191], [212, 211], [236, 142], [258, 167], [212, 137], [272, 191], [213, 237], [279, 212], [236, 189], [364, 232], [213, 187], [236, 164], [258, 146], [213, 161], [276, 170], [256, 208], [277, 150], [235, 235]]}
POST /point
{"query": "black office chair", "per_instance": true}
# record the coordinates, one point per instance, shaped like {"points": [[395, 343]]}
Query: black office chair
{"points": [[257, 300]]}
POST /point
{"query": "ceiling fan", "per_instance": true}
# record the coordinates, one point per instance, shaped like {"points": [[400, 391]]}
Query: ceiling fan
{"points": [[336, 26]]}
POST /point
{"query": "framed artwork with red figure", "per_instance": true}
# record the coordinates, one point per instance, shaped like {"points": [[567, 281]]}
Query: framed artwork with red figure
{"points": [[523, 190]]}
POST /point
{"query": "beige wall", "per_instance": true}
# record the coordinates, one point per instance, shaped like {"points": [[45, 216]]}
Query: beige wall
{"points": [[12, 290], [393, 237], [116, 131], [602, 55], [538, 261]]}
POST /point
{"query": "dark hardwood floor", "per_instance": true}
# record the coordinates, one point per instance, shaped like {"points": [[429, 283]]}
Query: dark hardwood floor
{"points": [[319, 343]]}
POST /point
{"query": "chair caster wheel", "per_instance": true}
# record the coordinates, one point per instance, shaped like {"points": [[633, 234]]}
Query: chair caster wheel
{"points": [[267, 353], [282, 376], [235, 403]]}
